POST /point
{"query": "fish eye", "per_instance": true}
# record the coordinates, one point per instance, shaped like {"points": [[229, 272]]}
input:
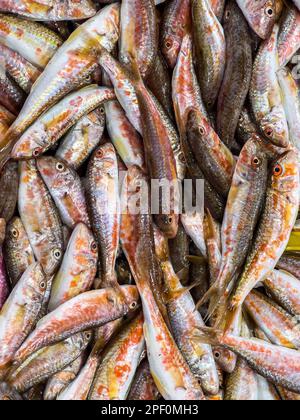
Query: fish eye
{"points": [[217, 354], [133, 305], [94, 246], [256, 161], [60, 166], [88, 335], [36, 153], [168, 44], [102, 110], [15, 233], [43, 285], [202, 130], [100, 153], [269, 11], [227, 14], [268, 131], [241, 118], [278, 170], [57, 254]]}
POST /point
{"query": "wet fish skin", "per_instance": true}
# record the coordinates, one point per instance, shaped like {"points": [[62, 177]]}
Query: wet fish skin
{"points": [[22, 71], [279, 326], [170, 372], [8, 393], [210, 50], [218, 8], [261, 15], [290, 263], [119, 363], [176, 23], [53, 124], [238, 71], [90, 309], [6, 119], [82, 139], [66, 190], [4, 288], [277, 220], [246, 127], [9, 182], [193, 223], [20, 312], [48, 361], [265, 95], [78, 269], [38, 213], [104, 204], [47, 10], [12, 96], [285, 290], [60, 380], [179, 249], [242, 383], [289, 36], [143, 387], [17, 250], [213, 157]]}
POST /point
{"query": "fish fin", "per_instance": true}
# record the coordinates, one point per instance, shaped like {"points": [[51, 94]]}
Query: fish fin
{"points": [[195, 259], [182, 274], [232, 316], [175, 294], [207, 335], [209, 226]]}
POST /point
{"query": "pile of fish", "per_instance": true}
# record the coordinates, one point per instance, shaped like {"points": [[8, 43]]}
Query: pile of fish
{"points": [[98, 302]]}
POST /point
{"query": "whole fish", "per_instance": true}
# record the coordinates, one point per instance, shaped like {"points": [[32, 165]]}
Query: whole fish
{"points": [[33, 41], [22, 71], [9, 181], [124, 137], [50, 10], [90, 309], [53, 124], [210, 50], [291, 101], [82, 139], [170, 371], [284, 289], [12, 97], [243, 207], [279, 365], [143, 386], [119, 363], [40, 218], [20, 312], [66, 190], [60, 380], [69, 69], [238, 70], [48, 361], [289, 35], [213, 157], [176, 23], [265, 93], [185, 88], [185, 319], [4, 288], [104, 204], [261, 15], [279, 326], [277, 221], [139, 33], [78, 269], [17, 250]]}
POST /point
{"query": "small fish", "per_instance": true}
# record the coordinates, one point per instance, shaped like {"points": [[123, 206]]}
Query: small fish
{"points": [[60, 380], [104, 203], [176, 23], [261, 15], [90, 309], [20, 312], [119, 363], [48, 361], [40, 218], [143, 387], [82, 139], [285, 290], [9, 182], [17, 250], [66, 190], [210, 50], [276, 223], [50, 10], [22, 71], [265, 95], [53, 124], [78, 269]]}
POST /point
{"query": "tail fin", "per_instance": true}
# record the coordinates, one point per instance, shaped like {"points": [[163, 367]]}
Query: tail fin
{"points": [[207, 335]]}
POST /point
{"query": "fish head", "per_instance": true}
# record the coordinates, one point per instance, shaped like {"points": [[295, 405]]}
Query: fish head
{"points": [[274, 127], [55, 172], [131, 296], [15, 231], [170, 47], [84, 248], [225, 359], [253, 159], [36, 282], [80, 341], [104, 161], [285, 172], [31, 144], [168, 224], [261, 15]]}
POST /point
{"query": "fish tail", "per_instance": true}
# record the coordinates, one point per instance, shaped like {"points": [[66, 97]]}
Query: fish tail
{"points": [[207, 335]]}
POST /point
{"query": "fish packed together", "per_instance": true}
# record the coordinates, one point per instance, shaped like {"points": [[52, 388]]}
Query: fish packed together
{"points": [[112, 287]]}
